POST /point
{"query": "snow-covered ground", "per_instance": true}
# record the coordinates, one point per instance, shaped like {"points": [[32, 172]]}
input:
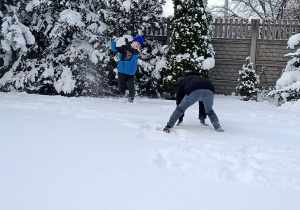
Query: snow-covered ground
{"points": [[59, 153]]}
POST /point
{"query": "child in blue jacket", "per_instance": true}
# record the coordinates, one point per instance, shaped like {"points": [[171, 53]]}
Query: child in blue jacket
{"points": [[128, 56]]}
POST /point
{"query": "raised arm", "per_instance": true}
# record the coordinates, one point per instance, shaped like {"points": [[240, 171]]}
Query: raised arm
{"points": [[114, 47]]}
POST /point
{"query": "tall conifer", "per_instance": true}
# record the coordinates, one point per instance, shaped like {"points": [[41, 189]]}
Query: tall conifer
{"points": [[190, 48], [61, 37]]}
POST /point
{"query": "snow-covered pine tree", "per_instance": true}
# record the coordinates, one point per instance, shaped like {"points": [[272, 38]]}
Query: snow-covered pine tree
{"points": [[152, 61], [16, 42], [248, 82], [190, 48], [133, 17], [288, 85], [68, 36]]}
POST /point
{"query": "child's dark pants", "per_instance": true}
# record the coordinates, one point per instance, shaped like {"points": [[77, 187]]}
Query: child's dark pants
{"points": [[126, 81]]}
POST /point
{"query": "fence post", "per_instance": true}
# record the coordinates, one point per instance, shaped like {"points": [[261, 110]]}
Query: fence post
{"points": [[254, 38], [168, 31]]}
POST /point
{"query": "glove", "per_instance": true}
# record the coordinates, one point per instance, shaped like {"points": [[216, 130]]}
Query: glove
{"points": [[113, 45], [180, 120], [167, 129], [219, 129]]}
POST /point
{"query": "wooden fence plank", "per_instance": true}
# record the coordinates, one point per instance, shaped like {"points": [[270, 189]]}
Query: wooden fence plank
{"points": [[235, 28], [290, 28], [241, 28], [226, 28], [262, 33], [221, 28], [269, 29], [246, 30], [231, 26], [284, 29], [296, 27], [274, 30], [279, 30], [216, 28]]}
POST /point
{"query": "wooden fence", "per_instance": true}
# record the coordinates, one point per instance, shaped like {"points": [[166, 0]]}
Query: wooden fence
{"points": [[265, 41], [241, 29]]}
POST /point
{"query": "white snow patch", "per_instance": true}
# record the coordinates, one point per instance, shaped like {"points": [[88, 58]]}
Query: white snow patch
{"points": [[71, 17], [293, 41], [88, 153], [208, 63], [127, 5]]}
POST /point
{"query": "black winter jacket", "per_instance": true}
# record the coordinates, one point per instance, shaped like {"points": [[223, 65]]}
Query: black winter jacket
{"points": [[187, 84], [127, 52], [190, 83]]}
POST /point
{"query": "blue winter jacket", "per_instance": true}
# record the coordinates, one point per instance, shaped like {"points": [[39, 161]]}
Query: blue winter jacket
{"points": [[127, 58]]}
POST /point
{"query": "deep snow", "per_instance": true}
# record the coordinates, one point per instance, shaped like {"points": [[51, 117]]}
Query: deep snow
{"points": [[59, 153]]}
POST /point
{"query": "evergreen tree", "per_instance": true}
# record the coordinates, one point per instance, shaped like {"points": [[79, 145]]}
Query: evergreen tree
{"points": [[288, 85], [190, 48], [248, 81], [68, 35], [131, 17], [152, 61], [16, 42]]}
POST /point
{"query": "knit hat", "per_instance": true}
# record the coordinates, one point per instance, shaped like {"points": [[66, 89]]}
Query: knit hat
{"points": [[139, 39]]}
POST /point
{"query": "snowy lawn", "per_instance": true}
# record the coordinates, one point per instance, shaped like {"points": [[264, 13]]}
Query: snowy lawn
{"points": [[59, 153]]}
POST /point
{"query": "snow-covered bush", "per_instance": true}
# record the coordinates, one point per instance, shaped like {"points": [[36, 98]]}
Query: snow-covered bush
{"points": [[190, 48], [16, 36], [16, 43], [288, 85], [134, 16], [62, 47], [68, 36], [248, 82], [151, 62]]}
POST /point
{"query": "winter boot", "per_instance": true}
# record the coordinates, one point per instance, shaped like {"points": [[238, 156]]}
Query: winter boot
{"points": [[130, 100]]}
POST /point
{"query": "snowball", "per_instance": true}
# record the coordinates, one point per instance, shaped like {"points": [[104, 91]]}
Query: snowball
{"points": [[121, 41]]}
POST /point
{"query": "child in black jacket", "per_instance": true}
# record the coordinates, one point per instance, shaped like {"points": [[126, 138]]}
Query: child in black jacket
{"points": [[128, 56]]}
